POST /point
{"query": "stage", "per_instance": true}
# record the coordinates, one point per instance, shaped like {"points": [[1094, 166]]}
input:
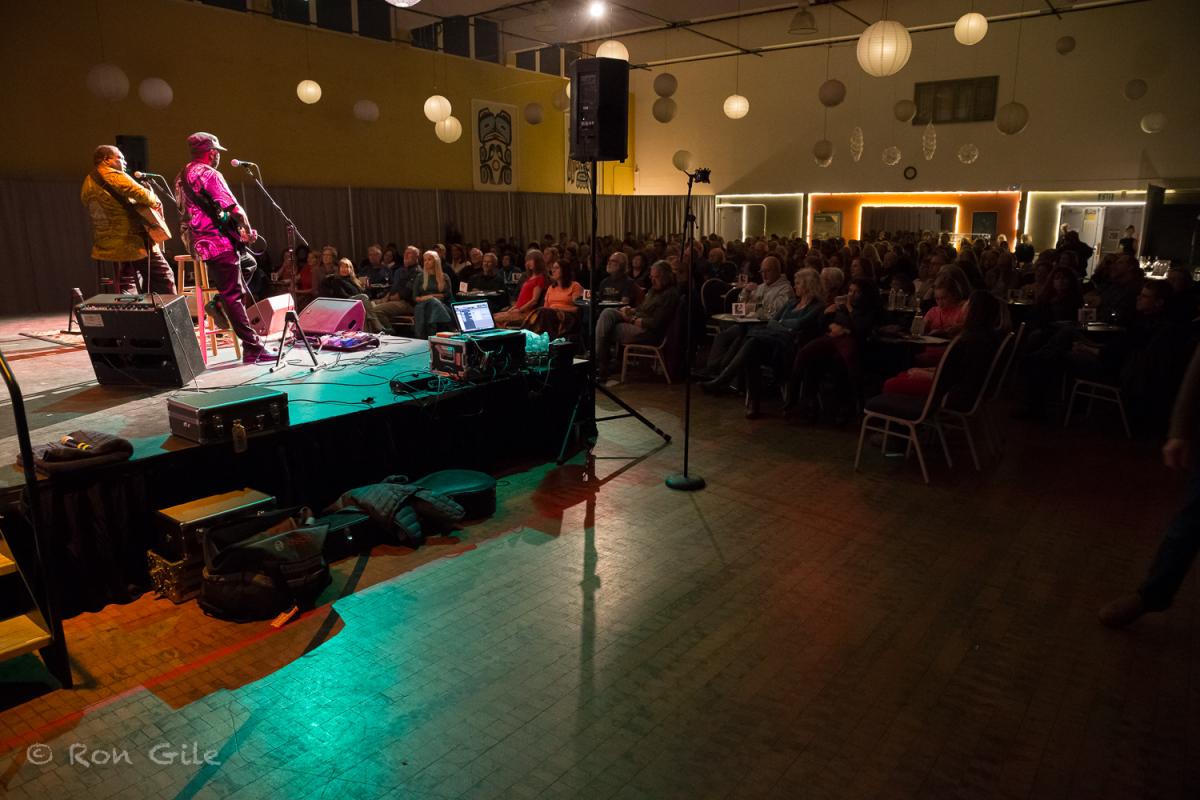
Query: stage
{"points": [[354, 419]]}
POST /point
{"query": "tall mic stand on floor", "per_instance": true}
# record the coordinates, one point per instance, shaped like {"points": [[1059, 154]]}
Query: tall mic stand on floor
{"points": [[682, 481], [587, 393]]}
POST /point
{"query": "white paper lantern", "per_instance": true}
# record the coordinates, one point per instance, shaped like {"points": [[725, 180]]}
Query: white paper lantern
{"points": [[1011, 118], [1135, 89], [567, 89], [968, 153], [891, 156], [1064, 45], [1154, 122], [904, 110], [665, 84], [823, 153], [437, 108], [971, 28], [448, 130], [308, 91], [831, 93], [613, 49], [929, 142], [884, 48], [561, 101], [856, 143], [664, 109], [736, 106], [156, 93], [366, 110], [108, 82], [533, 113], [403, 3], [682, 160]]}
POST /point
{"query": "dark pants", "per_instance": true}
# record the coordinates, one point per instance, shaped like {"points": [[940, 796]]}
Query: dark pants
{"points": [[154, 273], [826, 354], [1177, 551], [225, 275]]}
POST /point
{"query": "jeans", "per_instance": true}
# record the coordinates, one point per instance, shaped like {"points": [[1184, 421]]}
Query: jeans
{"points": [[612, 325], [225, 275], [154, 273], [1176, 552]]}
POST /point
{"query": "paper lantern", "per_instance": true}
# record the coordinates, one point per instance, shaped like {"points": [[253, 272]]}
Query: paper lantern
{"points": [[891, 156], [736, 106], [309, 92], [682, 160], [366, 110], [561, 101], [613, 49], [665, 84], [437, 108], [1012, 118], [108, 82], [856, 143], [904, 110], [155, 92], [823, 153], [567, 89], [1135, 89], [403, 3], [929, 142], [884, 48], [831, 93], [533, 113], [971, 28], [1154, 122], [448, 130], [968, 153], [664, 109], [1064, 45]]}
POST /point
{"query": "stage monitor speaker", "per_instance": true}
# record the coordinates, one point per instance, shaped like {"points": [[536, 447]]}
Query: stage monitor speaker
{"points": [[136, 151], [332, 314], [266, 316], [599, 109], [133, 340]]}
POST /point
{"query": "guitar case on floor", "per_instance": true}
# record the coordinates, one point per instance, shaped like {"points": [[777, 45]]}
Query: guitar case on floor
{"points": [[474, 491]]}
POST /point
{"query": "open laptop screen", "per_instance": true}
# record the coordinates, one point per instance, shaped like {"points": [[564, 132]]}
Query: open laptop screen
{"points": [[474, 316]]}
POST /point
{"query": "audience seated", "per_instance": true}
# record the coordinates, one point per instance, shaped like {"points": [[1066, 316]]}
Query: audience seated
{"points": [[645, 324], [374, 270], [488, 278], [559, 316], [530, 297], [618, 286], [774, 295], [432, 292], [398, 302]]}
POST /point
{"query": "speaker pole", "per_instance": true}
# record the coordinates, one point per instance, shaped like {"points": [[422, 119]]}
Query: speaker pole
{"points": [[683, 481]]}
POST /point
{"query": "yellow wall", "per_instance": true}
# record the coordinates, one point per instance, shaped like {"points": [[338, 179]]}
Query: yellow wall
{"points": [[235, 74]]}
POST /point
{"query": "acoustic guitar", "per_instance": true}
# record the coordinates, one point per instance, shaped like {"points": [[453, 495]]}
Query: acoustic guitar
{"points": [[154, 222]]}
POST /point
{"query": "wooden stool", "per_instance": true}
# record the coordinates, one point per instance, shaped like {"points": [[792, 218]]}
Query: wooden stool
{"points": [[206, 327]]}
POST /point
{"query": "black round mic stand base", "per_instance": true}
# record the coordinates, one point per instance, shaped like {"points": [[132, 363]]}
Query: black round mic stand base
{"points": [[685, 483]]}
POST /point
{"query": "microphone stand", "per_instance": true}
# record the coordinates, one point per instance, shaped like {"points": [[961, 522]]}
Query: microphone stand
{"points": [[683, 481]]}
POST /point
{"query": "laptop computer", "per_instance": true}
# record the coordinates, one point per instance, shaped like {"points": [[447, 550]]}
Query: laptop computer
{"points": [[475, 317]]}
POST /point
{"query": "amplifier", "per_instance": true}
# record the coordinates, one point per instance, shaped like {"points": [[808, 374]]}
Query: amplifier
{"points": [[139, 339], [472, 357], [220, 416]]}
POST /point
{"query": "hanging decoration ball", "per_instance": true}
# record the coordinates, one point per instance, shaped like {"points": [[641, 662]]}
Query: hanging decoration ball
{"points": [[682, 160], [613, 49], [437, 108], [567, 89], [904, 110], [1064, 45], [971, 28], [155, 92], [1154, 122], [108, 82], [665, 84], [366, 110], [884, 48], [533, 113], [1011, 118], [448, 130], [664, 109], [308, 91], [831, 93], [856, 143], [891, 156], [561, 101], [929, 142], [1136, 89], [968, 153], [736, 106], [823, 153]]}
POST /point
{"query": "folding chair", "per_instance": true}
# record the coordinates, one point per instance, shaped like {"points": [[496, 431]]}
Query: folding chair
{"points": [[953, 419], [1094, 390]]}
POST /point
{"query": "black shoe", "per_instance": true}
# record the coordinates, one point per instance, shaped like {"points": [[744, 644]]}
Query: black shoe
{"points": [[259, 355], [214, 310]]}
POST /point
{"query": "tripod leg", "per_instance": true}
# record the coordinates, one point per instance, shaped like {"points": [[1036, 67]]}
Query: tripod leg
{"points": [[666, 437], [562, 451]]}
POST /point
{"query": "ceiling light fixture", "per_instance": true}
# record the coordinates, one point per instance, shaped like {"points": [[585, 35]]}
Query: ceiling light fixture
{"points": [[596, 9], [803, 23], [403, 3]]}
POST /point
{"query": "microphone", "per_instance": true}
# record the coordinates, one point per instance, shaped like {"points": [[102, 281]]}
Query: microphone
{"points": [[141, 175], [234, 162]]}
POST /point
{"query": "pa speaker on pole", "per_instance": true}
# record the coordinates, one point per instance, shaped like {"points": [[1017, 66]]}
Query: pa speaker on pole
{"points": [[599, 109]]}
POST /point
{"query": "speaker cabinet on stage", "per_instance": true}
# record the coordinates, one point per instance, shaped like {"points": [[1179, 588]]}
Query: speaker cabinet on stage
{"points": [[134, 340], [599, 109], [332, 314], [266, 316]]}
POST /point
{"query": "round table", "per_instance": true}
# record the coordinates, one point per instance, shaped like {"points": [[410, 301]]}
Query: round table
{"points": [[732, 319]]}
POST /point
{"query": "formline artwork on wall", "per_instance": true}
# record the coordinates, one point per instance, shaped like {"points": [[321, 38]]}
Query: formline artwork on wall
{"points": [[494, 153], [577, 175]]}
